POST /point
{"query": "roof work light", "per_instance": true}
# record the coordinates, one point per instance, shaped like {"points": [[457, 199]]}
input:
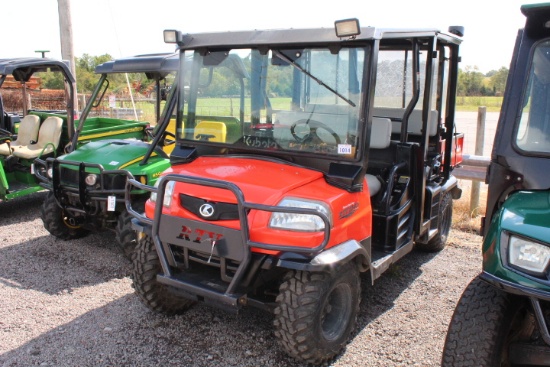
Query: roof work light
{"points": [[347, 27], [172, 36]]}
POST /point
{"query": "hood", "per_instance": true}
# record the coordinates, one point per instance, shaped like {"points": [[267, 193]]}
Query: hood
{"points": [[111, 154], [259, 180]]}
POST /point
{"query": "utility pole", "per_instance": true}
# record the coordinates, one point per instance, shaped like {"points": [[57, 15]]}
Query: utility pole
{"points": [[66, 35], [43, 52]]}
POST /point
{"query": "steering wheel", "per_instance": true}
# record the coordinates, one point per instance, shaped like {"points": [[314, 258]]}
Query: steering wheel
{"points": [[311, 135]]}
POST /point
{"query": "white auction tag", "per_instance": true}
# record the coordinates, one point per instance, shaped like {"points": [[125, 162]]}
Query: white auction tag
{"points": [[344, 148], [111, 203]]}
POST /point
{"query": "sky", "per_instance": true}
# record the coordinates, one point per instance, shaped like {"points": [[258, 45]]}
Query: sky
{"points": [[131, 27]]}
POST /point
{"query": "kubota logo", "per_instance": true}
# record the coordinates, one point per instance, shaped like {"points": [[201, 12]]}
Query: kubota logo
{"points": [[198, 235], [206, 210]]}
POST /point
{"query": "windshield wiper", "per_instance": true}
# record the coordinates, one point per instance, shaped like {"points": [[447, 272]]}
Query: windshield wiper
{"points": [[319, 81]]}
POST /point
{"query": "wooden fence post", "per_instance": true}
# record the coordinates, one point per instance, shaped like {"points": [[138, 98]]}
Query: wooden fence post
{"points": [[480, 139]]}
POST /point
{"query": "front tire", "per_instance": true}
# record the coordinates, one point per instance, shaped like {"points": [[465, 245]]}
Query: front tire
{"points": [[57, 222], [316, 312], [125, 235], [156, 296], [485, 323]]}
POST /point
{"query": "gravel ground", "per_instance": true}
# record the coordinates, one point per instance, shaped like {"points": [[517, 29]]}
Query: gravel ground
{"points": [[70, 303]]}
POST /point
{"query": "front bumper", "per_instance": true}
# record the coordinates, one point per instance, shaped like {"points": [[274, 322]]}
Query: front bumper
{"points": [[177, 240], [514, 288], [71, 191]]}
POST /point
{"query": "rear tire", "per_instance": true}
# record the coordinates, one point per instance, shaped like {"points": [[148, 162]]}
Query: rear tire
{"points": [[316, 312], [485, 322], [445, 216], [156, 296], [56, 221]]}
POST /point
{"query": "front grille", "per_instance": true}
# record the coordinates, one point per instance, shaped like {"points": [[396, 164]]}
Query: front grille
{"points": [[220, 210], [114, 182], [68, 176]]}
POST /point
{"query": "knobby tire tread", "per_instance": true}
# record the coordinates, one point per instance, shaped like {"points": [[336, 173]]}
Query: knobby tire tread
{"points": [[156, 296], [476, 331]]}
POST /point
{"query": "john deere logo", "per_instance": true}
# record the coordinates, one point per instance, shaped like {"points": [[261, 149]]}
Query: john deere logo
{"points": [[206, 210]]}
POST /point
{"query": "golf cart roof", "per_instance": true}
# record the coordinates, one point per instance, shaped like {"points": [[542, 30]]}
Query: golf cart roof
{"points": [[162, 63], [538, 16], [297, 37], [23, 68]]}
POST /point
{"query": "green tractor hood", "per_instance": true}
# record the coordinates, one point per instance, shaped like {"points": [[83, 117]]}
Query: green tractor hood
{"points": [[112, 154]]}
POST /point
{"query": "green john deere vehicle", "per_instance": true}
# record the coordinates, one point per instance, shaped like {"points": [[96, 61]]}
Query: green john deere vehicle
{"points": [[503, 315], [38, 122], [87, 185]]}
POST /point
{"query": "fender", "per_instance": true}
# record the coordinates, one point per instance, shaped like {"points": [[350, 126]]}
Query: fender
{"points": [[452, 185], [329, 260]]}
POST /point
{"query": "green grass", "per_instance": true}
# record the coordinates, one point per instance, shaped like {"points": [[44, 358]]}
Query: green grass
{"points": [[493, 104], [224, 105]]}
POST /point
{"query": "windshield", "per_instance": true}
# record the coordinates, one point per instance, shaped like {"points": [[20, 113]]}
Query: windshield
{"points": [[291, 101], [533, 133], [130, 96]]}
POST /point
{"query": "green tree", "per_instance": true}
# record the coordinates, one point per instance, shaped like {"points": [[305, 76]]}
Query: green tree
{"points": [[50, 80], [85, 66], [470, 81], [497, 81]]}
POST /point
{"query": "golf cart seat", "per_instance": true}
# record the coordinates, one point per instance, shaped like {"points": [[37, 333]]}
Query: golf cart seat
{"points": [[211, 131], [48, 140], [380, 138], [27, 134]]}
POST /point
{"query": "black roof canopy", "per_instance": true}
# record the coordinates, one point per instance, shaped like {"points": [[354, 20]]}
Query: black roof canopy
{"points": [[310, 37], [162, 63], [23, 68]]}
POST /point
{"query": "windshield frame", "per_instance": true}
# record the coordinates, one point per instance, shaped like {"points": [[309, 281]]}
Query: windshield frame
{"points": [[211, 147], [526, 97]]}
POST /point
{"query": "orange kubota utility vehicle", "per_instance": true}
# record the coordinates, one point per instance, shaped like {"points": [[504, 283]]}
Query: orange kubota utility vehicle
{"points": [[303, 158]]}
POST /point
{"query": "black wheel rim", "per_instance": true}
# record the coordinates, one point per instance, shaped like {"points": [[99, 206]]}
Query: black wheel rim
{"points": [[336, 312]]}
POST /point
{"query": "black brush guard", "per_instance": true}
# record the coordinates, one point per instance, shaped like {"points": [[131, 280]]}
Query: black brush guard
{"points": [[230, 243], [76, 187]]}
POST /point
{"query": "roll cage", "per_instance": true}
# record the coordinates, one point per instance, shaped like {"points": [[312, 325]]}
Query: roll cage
{"points": [[425, 89]]}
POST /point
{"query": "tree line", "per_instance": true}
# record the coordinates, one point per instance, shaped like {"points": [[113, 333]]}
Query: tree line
{"points": [[471, 82]]}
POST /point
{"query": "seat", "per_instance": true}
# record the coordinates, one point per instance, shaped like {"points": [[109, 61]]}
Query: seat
{"points": [[380, 138], [48, 140], [211, 131], [27, 134]]}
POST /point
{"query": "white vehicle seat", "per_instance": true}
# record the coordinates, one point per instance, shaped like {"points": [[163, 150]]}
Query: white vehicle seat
{"points": [[380, 138], [27, 134], [48, 139]]}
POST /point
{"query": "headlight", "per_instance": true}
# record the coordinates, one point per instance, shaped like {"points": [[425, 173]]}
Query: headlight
{"points": [[528, 255], [300, 222], [49, 172], [153, 197], [91, 179], [167, 193], [142, 179]]}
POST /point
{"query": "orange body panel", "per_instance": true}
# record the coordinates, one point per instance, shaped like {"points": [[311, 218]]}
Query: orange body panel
{"points": [[456, 151], [268, 182]]}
